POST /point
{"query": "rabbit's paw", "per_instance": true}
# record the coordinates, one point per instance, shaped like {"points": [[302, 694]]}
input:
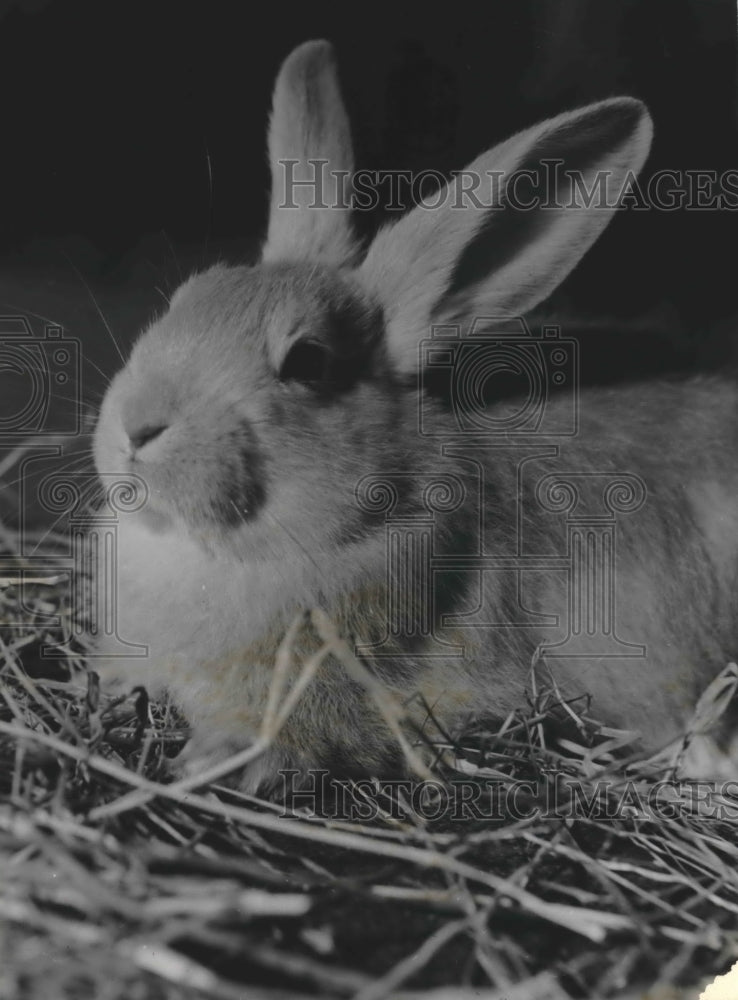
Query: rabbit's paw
{"points": [[259, 775]]}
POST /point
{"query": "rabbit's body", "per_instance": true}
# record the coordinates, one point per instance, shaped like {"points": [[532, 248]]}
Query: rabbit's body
{"points": [[262, 504], [213, 618]]}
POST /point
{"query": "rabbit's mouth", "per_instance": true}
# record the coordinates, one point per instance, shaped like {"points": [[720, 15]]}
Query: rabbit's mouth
{"points": [[208, 496], [205, 480]]}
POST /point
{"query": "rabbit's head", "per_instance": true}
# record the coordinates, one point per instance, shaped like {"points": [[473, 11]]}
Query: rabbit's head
{"points": [[255, 404]]}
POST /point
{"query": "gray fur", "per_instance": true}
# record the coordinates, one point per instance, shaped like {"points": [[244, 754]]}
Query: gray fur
{"points": [[253, 514]]}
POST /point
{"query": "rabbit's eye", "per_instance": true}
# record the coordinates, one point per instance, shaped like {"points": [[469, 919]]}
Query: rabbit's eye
{"points": [[307, 362]]}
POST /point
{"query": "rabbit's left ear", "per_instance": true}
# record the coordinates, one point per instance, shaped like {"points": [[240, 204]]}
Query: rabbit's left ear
{"points": [[501, 256], [311, 159]]}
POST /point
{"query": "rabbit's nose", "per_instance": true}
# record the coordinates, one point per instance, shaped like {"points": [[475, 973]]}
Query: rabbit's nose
{"points": [[143, 435]]}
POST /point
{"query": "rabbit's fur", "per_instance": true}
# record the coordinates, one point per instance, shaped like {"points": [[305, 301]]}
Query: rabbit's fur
{"points": [[254, 510]]}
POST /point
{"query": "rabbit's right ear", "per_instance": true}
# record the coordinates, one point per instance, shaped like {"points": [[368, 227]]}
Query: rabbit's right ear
{"points": [[311, 160], [494, 256]]}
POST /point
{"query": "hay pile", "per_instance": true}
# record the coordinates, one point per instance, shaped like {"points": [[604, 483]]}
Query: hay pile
{"points": [[570, 873]]}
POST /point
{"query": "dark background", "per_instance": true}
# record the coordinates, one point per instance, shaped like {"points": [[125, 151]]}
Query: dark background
{"points": [[134, 145]]}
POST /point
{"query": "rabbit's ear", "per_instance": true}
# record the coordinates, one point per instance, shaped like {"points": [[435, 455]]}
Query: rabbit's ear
{"points": [[484, 254], [310, 141]]}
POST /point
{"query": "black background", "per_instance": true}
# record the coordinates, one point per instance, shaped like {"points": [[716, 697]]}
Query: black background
{"points": [[133, 139]]}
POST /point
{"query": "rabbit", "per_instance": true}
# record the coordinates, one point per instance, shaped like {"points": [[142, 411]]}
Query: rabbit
{"points": [[285, 426]]}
